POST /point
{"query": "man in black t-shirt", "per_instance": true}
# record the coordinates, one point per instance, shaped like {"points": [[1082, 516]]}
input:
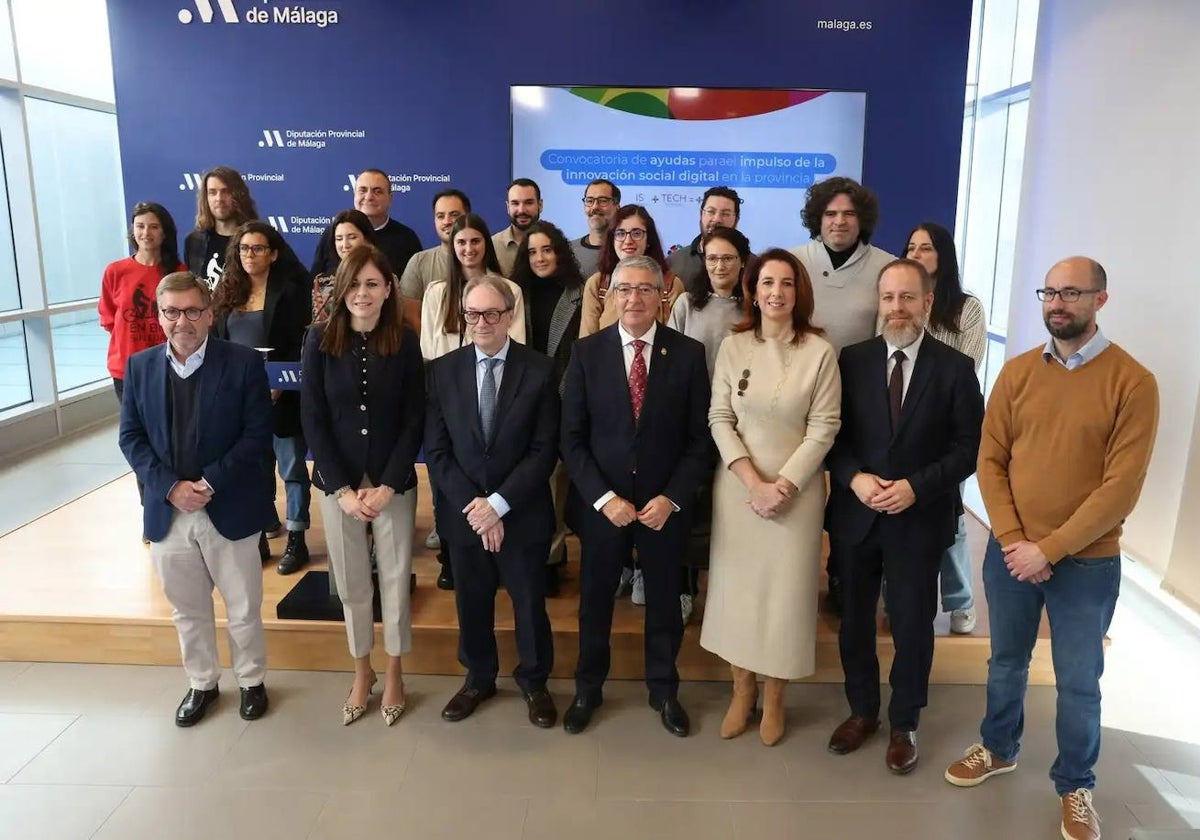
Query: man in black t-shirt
{"points": [[223, 203]]}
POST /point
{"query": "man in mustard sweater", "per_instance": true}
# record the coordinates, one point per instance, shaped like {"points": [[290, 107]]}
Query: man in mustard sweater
{"points": [[1066, 443]]}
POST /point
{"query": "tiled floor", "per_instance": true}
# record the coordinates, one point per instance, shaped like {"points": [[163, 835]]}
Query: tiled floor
{"points": [[91, 752]]}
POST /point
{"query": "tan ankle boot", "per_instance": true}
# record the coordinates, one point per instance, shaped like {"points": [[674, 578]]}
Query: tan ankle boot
{"points": [[745, 696], [772, 725]]}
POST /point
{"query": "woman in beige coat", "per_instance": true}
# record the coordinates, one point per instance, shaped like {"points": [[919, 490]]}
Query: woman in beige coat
{"points": [[776, 405]]}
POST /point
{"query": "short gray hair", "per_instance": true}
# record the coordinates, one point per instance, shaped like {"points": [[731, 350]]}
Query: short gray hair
{"points": [[497, 284], [642, 262], [184, 281]]}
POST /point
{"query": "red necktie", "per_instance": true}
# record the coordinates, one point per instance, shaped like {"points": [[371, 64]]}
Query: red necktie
{"points": [[637, 379]]}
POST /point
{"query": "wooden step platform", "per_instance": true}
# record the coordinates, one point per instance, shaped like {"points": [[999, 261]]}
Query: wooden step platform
{"points": [[77, 586]]}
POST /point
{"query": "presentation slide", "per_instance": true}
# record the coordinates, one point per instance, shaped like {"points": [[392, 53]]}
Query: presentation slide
{"points": [[665, 146]]}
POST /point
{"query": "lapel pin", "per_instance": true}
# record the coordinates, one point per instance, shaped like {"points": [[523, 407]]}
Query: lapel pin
{"points": [[663, 351]]}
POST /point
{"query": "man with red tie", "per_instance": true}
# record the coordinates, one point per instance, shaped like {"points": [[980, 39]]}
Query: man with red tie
{"points": [[636, 443]]}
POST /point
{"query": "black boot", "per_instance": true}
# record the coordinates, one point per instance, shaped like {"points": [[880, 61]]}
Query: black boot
{"points": [[264, 549], [446, 576], [295, 556]]}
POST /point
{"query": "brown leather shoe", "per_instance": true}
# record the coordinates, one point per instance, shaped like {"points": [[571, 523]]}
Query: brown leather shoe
{"points": [[542, 712], [902, 752], [851, 734], [465, 702]]}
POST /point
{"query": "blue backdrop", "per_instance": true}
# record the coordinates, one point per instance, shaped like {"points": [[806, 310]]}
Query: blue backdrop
{"points": [[421, 90]]}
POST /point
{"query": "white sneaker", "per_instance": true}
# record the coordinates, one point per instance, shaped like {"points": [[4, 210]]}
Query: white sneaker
{"points": [[625, 586], [962, 621], [433, 542], [638, 596], [685, 605]]}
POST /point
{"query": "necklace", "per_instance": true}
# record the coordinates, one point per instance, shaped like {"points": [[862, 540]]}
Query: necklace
{"points": [[789, 353]]}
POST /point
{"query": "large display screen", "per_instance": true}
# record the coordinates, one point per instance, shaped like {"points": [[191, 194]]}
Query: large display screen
{"points": [[663, 147]]}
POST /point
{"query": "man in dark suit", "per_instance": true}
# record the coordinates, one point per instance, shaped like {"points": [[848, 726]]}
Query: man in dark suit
{"points": [[196, 428], [636, 444], [911, 417], [491, 442]]}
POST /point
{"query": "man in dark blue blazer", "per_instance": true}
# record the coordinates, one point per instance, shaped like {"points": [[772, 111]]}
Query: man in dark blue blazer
{"points": [[196, 428], [636, 444], [911, 418], [491, 443]]}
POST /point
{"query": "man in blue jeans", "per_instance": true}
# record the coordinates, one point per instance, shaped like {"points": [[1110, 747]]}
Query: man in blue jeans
{"points": [[1066, 443]]}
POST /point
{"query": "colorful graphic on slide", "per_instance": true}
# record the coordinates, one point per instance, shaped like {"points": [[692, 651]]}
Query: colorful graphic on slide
{"points": [[695, 103], [663, 147]]}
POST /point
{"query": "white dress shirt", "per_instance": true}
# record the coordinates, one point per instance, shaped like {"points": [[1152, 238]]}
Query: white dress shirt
{"points": [[189, 365], [910, 353]]}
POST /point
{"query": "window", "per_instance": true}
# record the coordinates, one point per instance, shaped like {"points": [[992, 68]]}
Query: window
{"points": [[77, 184], [65, 46], [80, 349], [14, 366]]}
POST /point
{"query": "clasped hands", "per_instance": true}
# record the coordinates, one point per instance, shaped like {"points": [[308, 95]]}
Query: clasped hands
{"points": [[365, 504], [485, 522], [769, 498], [654, 515], [881, 494], [190, 496], [1026, 562]]}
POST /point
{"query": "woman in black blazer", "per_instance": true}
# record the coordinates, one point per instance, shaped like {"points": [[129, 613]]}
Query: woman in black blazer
{"points": [[262, 305], [363, 409]]}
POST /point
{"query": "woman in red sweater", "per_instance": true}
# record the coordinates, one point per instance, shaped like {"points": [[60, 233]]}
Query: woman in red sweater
{"points": [[128, 308]]}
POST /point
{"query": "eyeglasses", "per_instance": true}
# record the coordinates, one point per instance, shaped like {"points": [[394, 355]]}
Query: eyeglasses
{"points": [[489, 316], [721, 259], [598, 201], [193, 313], [636, 234], [1068, 295], [256, 250], [642, 290], [713, 212]]}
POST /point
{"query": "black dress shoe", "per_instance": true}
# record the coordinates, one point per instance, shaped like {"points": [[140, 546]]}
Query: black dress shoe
{"points": [[579, 714], [464, 704], [254, 702], [274, 530], [674, 716], [264, 549], [542, 711], [295, 555], [195, 704], [446, 578]]}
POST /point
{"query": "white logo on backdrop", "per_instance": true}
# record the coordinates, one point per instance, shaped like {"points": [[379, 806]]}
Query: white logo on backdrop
{"points": [[205, 8], [191, 181], [271, 138], [278, 222]]}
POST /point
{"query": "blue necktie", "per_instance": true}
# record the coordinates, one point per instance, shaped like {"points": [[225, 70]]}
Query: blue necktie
{"points": [[487, 398]]}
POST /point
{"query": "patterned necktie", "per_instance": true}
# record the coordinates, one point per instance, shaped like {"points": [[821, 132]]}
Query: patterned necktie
{"points": [[896, 389], [637, 379], [487, 398]]}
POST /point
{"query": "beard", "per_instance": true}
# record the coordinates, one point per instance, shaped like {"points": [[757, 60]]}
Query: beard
{"points": [[1068, 331], [523, 226], [902, 332]]}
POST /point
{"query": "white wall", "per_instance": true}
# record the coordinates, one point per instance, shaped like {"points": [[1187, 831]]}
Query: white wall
{"points": [[1111, 171]]}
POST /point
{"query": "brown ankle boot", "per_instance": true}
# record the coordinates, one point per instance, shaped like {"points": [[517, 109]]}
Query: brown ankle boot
{"points": [[745, 696], [770, 729]]}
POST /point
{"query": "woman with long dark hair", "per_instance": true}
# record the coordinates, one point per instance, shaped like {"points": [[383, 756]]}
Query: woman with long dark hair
{"points": [[258, 304], [632, 234], [351, 228], [552, 285], [442, 326], [363, 404], [128, 288], [776, 407], [957, 319]]}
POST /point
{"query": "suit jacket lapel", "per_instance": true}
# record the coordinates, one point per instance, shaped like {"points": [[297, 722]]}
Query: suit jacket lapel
{"points": [[510, 383], [211, 373], [564, 311], [274, 292], [619, 380], [465, 376], [921, 375], [876, 376], [660, 362], [156, 404]]}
